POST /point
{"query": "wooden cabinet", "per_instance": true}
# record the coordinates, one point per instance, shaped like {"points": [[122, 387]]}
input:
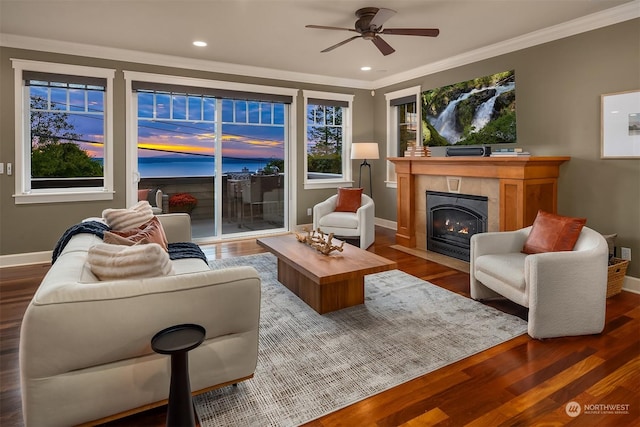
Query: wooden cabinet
{"points": [[527, 184]]}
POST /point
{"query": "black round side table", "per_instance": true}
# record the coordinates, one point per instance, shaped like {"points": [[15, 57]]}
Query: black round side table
{"points": [[177, 341]]}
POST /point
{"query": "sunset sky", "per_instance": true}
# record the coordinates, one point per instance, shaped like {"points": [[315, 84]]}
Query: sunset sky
{"points": [[164, 137]]}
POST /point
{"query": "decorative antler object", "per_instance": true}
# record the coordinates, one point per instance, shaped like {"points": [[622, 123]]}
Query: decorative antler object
{"points": [[319, 241]]}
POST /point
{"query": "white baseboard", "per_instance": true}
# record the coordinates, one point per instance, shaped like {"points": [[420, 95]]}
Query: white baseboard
{"points": [[16, 260], [393, 225], [631, 284]]}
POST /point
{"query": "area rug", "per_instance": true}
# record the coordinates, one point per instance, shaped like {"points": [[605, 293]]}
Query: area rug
{"points": [[311, 364]]}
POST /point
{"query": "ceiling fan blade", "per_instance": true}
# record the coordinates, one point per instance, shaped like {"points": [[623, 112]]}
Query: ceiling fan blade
{"points": [[340, 44], [381, 17], [383, 46], [428, 32], [323, 27]]}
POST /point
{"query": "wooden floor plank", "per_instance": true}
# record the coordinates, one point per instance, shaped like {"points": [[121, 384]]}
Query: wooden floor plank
{"points": [[522, 402], [629, 373], [522, 382], [429, 418]]}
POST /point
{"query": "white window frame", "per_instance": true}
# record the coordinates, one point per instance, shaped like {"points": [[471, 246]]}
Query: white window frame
{"points": [[23, 192], [392, 128], [131, 107], [347, 173]]}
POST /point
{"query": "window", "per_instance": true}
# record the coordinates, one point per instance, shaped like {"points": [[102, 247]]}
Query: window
{"points": [[327, 139], [225, 143], [403, 117], [63, 132]]}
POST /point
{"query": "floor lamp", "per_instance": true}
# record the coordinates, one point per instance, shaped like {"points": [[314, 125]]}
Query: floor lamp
{"points": [[364, 151]]}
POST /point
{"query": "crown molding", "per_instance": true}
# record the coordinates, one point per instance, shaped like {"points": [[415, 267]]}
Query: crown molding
{"points": [[101, 52], [591, 22], [594, 21]]}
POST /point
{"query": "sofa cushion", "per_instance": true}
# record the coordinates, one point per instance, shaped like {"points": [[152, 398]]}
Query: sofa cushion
{"points": [[553, 233], [113, 262], [126, 219], [349, 199], [149, 232], [80, 243]]}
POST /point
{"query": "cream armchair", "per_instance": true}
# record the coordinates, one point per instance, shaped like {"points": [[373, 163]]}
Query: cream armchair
{"points": [[564, 291], [360, 224]]}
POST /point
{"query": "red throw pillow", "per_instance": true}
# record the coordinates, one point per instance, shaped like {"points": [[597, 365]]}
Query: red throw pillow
{"points": [[149, 232], [349, 199], [553, 233], [143, 194]]}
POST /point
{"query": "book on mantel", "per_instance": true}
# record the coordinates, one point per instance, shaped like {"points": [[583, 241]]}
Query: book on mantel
{"points": [[509, 152]]}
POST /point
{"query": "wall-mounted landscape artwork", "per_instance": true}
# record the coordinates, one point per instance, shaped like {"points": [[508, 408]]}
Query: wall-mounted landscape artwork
{"points": [[476, 112]]}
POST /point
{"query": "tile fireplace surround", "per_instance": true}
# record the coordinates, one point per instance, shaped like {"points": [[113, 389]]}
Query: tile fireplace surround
{"points": [[516, 189]]}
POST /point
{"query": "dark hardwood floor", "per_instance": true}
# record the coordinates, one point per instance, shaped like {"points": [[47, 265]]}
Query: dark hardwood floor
{"points": [[523, 382]]}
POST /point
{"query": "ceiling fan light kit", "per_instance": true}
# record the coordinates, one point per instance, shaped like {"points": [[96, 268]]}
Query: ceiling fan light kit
{"points": [[369, 27]]}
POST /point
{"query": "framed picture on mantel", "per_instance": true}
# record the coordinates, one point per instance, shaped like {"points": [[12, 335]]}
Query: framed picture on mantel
{"points": [[620, 125]]}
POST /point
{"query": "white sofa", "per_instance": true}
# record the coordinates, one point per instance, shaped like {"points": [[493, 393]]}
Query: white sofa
{"points": [[564, 291], [85, 350], [360, 224]]}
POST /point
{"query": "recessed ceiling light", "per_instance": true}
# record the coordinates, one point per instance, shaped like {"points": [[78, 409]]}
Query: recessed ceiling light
{"points": [[199, 43], [365, 68]]}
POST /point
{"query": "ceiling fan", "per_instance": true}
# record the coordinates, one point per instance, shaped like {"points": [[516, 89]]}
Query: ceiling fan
{"points": [[369, 27]]}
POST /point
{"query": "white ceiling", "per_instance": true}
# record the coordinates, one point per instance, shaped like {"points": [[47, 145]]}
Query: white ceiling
{"points": [[268, 37]]}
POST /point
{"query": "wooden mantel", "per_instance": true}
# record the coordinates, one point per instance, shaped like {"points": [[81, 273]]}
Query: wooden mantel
{"points": [[527, 184]]}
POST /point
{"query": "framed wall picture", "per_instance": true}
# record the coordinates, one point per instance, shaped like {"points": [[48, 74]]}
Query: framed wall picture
{"points": [[620, 125]]}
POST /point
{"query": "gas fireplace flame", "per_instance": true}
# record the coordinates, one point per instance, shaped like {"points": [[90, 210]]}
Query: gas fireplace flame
{"points": [[455, 228]]}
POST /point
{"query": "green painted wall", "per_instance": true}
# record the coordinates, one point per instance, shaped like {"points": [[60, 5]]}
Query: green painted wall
{"points": [[37, 227], [558, 94], [558, 88]]}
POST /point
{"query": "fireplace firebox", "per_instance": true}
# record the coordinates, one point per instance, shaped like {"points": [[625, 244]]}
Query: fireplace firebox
{"points": [[451, 221]]}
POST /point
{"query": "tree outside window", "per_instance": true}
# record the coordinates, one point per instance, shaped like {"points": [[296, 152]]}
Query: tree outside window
{"points": [[67, 133], [324, 141], [54, 152]]}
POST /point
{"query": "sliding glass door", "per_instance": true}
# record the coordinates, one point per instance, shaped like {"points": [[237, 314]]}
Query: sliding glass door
{"points": [[253, 136], [220, 158]]}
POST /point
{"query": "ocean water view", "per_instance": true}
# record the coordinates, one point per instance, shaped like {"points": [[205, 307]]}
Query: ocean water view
{"points": [[155, 167]]}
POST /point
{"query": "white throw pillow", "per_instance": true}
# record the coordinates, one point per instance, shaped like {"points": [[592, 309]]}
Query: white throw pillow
{"points": [[126, 219], [113, 262]]}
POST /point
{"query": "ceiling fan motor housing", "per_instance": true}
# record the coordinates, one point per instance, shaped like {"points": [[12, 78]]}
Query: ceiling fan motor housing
{"points": [[363, 24]]}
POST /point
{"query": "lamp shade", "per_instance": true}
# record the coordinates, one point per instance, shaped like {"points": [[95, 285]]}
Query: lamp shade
{"points": [[364, 150]]}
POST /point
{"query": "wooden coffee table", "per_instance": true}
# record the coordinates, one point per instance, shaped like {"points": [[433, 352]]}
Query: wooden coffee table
{"points": [[325, 282]]}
